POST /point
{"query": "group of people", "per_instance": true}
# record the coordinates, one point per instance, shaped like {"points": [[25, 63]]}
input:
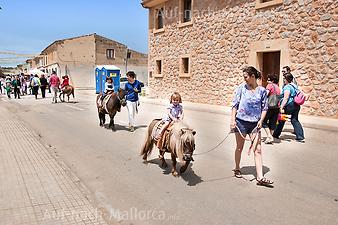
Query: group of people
{"points": [[132, 90], [253, 108], [29, 85]]}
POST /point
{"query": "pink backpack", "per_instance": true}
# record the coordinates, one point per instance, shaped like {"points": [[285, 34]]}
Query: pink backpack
{"points": [[299, 98]]}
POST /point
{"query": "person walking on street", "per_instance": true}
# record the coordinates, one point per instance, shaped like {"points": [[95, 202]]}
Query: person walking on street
{"points": [[270, 120], [285, 70], [288, 106], [23, 86], [48, 82], [35, 85], [1, 84], [44, 83], [54, 83], [16, 84], [8, 87], [30, 84], [249, 108], [132, 88]]}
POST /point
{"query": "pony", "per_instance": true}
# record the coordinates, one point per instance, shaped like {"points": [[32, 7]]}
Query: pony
{"points": [[179, 141], [111, 104], [68, 90]]}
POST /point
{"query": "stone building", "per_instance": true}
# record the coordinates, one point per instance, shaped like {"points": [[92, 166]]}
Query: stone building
{"points": [[77, 57], [199, 47]]}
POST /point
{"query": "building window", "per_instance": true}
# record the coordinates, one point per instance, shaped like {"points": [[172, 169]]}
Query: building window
{"points": [[110, 54], [158, 67], [159, 21], [185, 69], [128, 55], [267, 3], [187, 10]]}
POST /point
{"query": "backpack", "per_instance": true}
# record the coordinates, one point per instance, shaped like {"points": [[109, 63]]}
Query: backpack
{"points": [[299, 98], [273, 100]]}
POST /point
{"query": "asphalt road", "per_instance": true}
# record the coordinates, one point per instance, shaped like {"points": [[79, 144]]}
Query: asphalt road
{"points": [[109, 165]]}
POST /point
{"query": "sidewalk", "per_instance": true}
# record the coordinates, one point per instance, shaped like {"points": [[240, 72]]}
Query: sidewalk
{"points": [[307, 121], [34, 187]]}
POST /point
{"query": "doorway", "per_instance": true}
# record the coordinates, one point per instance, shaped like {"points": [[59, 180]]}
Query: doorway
{"points": [[269, 64]]}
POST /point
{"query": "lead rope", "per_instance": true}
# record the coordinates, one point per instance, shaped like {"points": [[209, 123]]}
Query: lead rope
{"points": [[227, 135]]}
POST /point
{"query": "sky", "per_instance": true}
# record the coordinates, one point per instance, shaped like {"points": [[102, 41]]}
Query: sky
{"points": [[28, 26]]}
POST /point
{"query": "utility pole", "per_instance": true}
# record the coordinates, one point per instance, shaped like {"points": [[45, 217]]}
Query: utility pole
{"points": [[127, 57]]}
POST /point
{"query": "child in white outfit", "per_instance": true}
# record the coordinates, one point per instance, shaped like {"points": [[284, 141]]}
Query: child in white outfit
{"points": [[175, 113]]}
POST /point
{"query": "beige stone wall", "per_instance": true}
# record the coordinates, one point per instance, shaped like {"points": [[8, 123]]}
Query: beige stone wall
{"points": [[77, 56], [138, 61], [219, 42], [102, 44]]}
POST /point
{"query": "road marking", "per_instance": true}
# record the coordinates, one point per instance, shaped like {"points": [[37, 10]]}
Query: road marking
{"points": [[74, 107], [5, 100]]}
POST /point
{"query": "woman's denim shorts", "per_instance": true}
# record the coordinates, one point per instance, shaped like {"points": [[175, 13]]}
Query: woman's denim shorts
{"points": [[244, 126]]}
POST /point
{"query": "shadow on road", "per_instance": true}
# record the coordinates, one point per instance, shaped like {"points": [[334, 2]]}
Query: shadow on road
{"points": [[140, 127], [120, 127], [251, 170], [189, 175], [286, 137], [70, 102], [117, 127]]}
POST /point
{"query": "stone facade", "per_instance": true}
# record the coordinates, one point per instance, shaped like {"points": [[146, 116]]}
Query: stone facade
{"points": [[225, 35], [77, 57], [137, 62]]}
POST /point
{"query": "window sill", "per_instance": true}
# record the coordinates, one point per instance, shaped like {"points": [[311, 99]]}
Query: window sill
{"points": [[260, 5], [184, 75], [185, 24], [157, 31], [158, 75]]}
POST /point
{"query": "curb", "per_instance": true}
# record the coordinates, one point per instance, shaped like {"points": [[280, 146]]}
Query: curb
{"points": [[312, 122]]}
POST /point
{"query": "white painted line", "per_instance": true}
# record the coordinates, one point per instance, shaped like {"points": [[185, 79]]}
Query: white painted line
{"points": [[74, 107], [5, 100]]}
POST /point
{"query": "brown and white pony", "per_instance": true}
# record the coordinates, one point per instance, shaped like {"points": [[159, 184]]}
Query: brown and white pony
{"points": [[68, 90], [179, 142], [110, 105]]}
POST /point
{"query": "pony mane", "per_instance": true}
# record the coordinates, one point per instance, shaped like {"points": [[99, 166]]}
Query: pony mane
{"points": [[179, 138]]}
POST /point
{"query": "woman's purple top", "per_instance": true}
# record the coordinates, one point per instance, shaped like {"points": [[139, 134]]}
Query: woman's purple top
{"points": [[175, 111], [250, 104]]}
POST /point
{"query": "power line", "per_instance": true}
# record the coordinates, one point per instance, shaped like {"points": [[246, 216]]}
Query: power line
{"points": [[18, 54]]}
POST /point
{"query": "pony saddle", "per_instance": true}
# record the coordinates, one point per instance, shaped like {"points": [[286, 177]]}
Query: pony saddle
{"points": [[157, 129], [103, 102]]}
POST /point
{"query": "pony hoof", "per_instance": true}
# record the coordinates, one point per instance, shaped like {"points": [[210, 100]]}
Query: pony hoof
{"points": [[182, 171], [175, 174]]}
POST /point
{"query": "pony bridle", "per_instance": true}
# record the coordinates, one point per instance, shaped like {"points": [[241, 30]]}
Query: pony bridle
{"points": [[122, 100], [187, 155]]}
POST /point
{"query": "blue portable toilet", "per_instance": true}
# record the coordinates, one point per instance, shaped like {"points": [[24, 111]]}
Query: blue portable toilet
{"points": [[112, 72], [104, 71], [98, 80]]}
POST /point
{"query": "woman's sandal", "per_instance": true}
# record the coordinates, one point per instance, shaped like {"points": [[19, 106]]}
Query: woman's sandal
{"points": [[264, 182], [237, 173]]}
